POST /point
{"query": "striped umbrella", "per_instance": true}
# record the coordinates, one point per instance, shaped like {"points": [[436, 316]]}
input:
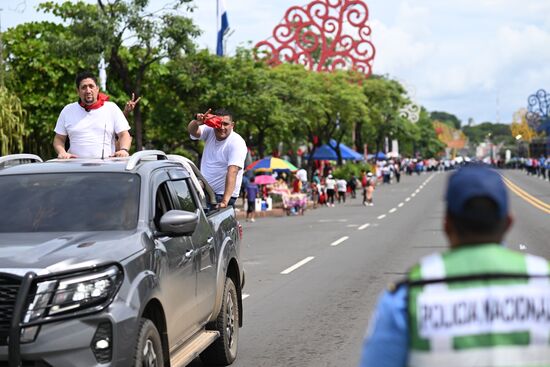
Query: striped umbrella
{"points": [[269, 164]]}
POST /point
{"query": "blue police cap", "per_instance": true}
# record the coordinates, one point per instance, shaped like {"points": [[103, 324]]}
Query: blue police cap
{"points": [[473, 181]]}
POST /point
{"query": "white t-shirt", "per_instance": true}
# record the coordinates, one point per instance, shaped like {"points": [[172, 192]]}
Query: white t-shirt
{"points": [[218, 155], [342, 184], [331, 183], [91, 134]]}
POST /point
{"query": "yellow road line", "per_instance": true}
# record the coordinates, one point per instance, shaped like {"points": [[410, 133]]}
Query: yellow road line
{"points": [[539, 204]]}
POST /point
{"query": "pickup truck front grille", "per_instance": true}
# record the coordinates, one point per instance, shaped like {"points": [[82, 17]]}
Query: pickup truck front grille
{"points": [[9, 286]]}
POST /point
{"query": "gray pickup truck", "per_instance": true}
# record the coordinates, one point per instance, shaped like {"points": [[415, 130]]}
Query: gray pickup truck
{"points": [[116, 262]]}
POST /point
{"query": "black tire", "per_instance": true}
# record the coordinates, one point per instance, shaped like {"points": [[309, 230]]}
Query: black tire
{"points": [[224, 350], [148, 351]]}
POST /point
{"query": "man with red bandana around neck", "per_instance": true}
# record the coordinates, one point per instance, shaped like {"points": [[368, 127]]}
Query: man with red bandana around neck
{"points": [[91, 124]]}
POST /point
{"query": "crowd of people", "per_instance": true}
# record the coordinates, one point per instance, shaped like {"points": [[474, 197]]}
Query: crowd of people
{"points": [[539, 167]]}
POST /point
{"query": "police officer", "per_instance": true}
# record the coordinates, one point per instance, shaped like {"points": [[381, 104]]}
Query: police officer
{"points": [[478, 304]]}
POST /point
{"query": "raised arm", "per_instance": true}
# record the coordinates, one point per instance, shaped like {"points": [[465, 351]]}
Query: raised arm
{"points": [[194, 126]]}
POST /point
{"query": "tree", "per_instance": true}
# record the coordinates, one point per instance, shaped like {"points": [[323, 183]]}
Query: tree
{"points": [[520, 129], [12, 123], [446, 118], [42, 76], [498, 133], [385, 98], [131, 38], [427, 144]]}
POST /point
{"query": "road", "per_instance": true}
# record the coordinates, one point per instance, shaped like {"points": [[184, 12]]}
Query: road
{"points": [[313, 280]]}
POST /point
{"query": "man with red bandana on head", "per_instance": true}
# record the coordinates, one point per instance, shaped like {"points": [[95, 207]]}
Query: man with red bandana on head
{"points": [[91, 124], [224, 154]]}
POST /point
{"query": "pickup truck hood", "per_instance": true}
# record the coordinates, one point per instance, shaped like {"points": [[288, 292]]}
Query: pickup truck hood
{"points": [[46, 253]]}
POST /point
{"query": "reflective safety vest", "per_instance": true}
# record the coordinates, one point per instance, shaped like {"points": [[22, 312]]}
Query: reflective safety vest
{"points": [[480, 305]]}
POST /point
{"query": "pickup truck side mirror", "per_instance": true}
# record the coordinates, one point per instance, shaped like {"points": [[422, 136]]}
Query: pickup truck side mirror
{"points": [[178, 223]]}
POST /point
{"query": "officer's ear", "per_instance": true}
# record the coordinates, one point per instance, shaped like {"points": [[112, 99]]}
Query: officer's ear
{"points": [[509, 222], [450, 231]]}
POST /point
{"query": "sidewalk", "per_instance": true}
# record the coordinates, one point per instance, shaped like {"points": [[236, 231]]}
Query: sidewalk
{"points": [[275, 212]]}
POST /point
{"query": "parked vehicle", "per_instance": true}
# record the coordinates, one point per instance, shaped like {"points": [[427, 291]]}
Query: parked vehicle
{"points": [[116, 262]]}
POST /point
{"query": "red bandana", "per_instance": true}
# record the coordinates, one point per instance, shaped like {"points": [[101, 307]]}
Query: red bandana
{"points": [[213, 121], [101, 98]]}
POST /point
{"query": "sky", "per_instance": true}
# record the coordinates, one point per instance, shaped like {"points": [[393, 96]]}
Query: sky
{"points": [[478, 59]]}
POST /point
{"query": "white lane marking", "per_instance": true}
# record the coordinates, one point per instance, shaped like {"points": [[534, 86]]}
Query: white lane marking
{"points": [[408, 199], [297, 265], [401, 204], [352, 225], [393, 210], [363, 226], [245, 296], [382, 216], [417, 191], [337, 242], [413, 195]]}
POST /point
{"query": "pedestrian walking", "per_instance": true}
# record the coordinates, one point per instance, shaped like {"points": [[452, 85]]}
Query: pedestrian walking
{"points": [[352, 184], [369, 190], [252, 191], [342, 186], [330, 183], [397, 171], [477, 304], [364, 182]]}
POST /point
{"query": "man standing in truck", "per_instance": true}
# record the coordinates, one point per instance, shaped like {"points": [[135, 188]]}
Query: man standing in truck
{"points": [[91, 124], [222, 162]]}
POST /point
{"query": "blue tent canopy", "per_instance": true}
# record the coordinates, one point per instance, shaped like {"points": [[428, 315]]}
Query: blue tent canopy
{"points": [[327, 152]]}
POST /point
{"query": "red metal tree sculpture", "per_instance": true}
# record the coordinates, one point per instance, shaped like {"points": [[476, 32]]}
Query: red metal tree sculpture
{"points": [[324, 35]]}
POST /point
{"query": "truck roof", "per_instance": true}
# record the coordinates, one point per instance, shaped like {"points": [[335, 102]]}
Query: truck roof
{"points": [[22, 164]]}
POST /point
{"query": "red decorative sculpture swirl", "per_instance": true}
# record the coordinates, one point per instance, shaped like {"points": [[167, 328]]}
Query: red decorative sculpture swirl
{"points": [[324, 35]]}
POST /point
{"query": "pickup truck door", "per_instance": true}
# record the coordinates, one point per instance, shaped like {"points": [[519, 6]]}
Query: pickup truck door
{"points": [[203, 241], [179, 283]]}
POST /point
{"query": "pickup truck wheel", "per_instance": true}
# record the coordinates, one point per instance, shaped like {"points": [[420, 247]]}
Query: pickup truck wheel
{"points": [[224, 350], [149, 347]]}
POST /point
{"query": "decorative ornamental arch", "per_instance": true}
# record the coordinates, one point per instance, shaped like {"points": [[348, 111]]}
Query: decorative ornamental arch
{"points": [[538, 111], [538, 114], [324, 35]]}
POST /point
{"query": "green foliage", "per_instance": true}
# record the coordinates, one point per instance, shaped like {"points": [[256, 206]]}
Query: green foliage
{"points": [[446, 118], [12, 123], [42, 77], [345, 171], [427, 144], [385, 98], [497, 133]]}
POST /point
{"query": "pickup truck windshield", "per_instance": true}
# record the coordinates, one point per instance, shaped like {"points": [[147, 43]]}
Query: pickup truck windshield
{"points": [[60, 202]]}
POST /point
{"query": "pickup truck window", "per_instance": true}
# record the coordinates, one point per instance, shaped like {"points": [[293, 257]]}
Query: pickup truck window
{"points": [[67, 202], [184, 196]]}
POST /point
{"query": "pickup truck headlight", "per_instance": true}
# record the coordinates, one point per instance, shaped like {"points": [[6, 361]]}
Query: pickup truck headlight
{"points": [[56, 297], [84, 291]]}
